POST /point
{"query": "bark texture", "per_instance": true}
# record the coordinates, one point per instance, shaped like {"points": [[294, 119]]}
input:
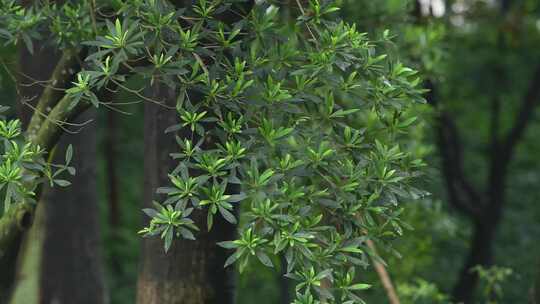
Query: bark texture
{"points": [[111, 142], [60, 261], [72, 267], [192, 271], [11, 237]]}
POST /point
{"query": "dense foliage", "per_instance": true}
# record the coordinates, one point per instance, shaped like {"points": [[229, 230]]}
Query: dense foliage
{"points": [[23, 168], [287, 119], [304, 125]]}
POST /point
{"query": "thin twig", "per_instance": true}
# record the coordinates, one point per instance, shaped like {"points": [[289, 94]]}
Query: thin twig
{"points": [[58, 123], [384, 276], [307, 25], [114, 109], [141, 96]]}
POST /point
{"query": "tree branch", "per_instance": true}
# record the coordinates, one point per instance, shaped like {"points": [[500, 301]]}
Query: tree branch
{"points": [[495, 113], [384, 277], [461, 193], [54, 91], [48, 133], [523, 117]]}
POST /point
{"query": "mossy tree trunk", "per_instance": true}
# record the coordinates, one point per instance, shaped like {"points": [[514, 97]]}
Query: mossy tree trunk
{"points": [[59, 260]]}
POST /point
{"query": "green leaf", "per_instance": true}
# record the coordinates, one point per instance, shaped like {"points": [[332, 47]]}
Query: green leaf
{"points": [[209, 220], [342, 113], [263, 257], [232, 258], [360, 286], [186, 233], [228, 244], [150, 212], [351, 250], [227, 215], [62, 182], [168, 238], [69, 154]]}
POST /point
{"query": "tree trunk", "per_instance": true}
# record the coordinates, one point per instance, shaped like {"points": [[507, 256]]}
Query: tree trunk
{"points": [[72, 268], [192, 271], [111, 141], [536, 288], [485, 228], [29, 87], [480, 253], [60, 261], [284, 285], [534, 291]]}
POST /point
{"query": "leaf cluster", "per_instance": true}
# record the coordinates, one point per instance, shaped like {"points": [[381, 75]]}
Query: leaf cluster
{"points": [[303, 128], [23, 167]]}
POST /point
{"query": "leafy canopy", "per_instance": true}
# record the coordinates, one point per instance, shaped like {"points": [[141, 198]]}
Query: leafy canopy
{"points": [[302, 125]]}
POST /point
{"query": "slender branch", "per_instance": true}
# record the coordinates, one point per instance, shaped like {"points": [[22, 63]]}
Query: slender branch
{"points": [[307, 25], [300, 7], [384, 277], [380, 269]]}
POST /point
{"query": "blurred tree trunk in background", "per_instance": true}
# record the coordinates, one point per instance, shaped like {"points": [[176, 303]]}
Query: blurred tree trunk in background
{"points": [[32, 70], [192, 271], [285, 296], [72, 270], [60, 260], [111, 138], [535, 297], [111, 141], [483, 205]]}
